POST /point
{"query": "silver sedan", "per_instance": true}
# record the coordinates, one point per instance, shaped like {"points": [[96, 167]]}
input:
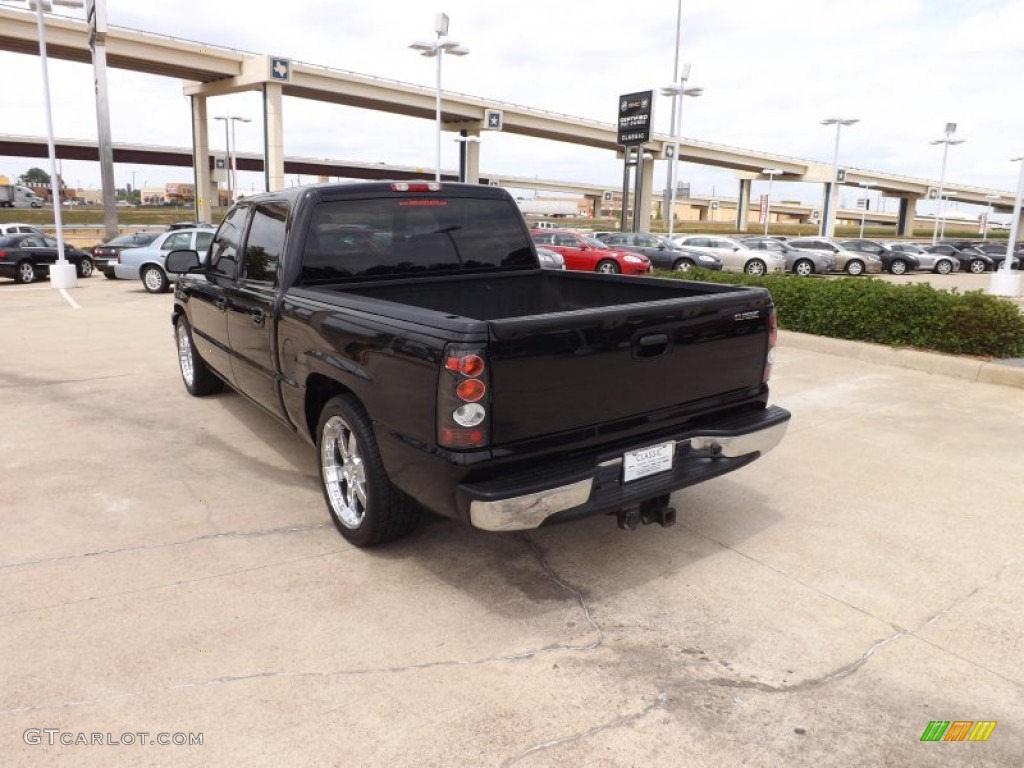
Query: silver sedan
{"points": [[799, 262], [147, 263]]}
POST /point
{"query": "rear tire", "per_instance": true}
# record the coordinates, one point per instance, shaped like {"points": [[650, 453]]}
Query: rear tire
{"points": [[84, 268], [110, 276], [154, 280], [196, 375], [364, 505], [26, 272], [804, 268], [855, 267], [977, 266], [607, 267]]}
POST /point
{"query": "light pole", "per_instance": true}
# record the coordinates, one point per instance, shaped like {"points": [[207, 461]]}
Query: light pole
{"points": [[946, 142], [62, 273], [234, 150], [437, 49], [988, 215], [828, 222], [670, 170], [677, 91], [864, 209], [771, 173], [229, 143], [464, 142], [1004, 282]]}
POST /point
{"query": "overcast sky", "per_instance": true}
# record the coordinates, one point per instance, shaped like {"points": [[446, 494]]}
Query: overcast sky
{"points": [[771, 70]]}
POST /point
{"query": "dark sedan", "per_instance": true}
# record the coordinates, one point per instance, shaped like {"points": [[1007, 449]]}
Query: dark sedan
{"points": [[105, 256], [894, 262], [661, 252], [970, 259], [26, 258], [995, 251]]}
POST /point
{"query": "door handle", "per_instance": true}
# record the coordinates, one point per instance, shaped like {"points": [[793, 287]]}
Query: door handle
{"points": [[258, 317], [221, 304], [651, 345]]}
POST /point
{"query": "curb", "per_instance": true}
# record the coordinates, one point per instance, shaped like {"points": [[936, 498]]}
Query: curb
{"points": [[972, 369]]}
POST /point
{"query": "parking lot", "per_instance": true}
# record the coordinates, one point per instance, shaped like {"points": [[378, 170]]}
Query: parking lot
{"points": [[168, 566]]}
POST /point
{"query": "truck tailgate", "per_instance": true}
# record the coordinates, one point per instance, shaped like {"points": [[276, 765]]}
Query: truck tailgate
{"points": [[564, 371]]}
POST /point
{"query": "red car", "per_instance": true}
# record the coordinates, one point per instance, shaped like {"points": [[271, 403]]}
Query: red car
{"points": [[588, 254]]}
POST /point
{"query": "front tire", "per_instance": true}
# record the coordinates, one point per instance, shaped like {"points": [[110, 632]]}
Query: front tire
{"points": [[898, 267], [608, 267], [804, 268], [755, 267], [154, 279], [365, 507], [683, 265], [84, 268], [196, 375], [855, 268], [944, 267], [26, 272]]}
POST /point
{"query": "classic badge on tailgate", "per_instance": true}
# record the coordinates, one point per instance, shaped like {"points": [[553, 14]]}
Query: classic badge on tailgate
{"points": [[647, 461]]}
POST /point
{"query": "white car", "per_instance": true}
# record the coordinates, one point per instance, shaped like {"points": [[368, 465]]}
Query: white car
{"points": [[735, 256], [14, 228], [147, 263]]}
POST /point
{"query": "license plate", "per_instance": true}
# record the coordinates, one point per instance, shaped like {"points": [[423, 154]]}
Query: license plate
{"points": [[647, 461]]}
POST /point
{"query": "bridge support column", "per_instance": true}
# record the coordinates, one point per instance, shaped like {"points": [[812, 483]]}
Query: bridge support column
{"points": [[743, 205], [644, 195], [201, 161], [469, 156], [273, 137], [907, 215]]}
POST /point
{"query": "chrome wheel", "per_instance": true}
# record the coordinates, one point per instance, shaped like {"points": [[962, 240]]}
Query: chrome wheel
{"points": [[898, 267], [26, 272], [683, 265], [344, 472], [854, 268], [944, 267], [608, 268], [755, 267], [85, 268], [188, 371], [977, 266], [804, 268]]}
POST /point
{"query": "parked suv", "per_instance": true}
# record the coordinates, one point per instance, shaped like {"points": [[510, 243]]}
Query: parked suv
{"points": [[895, 262], [850, 262]]}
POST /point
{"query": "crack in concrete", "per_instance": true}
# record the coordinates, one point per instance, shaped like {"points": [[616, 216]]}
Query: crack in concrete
{"points": [[660, 701], [534, 548], [849, 669], [163, 545]]}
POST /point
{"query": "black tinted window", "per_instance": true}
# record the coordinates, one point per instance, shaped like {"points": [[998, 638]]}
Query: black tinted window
{"points": [[224, 251], [265, 242], [413, 234]]}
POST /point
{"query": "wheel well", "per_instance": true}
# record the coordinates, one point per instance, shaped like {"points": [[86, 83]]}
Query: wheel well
{"points": [[320, 389]]}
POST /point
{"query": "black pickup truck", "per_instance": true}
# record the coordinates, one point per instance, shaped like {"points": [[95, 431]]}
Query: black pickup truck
{"points": [[407, 331]]}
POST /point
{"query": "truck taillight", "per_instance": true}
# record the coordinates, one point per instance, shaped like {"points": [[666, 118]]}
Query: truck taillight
{"points": [[463, 398], [773, 337]]}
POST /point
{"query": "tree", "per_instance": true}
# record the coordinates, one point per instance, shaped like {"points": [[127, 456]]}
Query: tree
{"points": [[34, 176]]}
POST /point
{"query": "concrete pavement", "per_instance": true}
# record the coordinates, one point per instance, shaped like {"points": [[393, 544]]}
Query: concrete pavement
{"points": [[167, 566]]}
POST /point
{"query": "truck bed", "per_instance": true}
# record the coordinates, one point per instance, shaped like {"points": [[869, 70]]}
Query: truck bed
{"points": [[570, 350]]}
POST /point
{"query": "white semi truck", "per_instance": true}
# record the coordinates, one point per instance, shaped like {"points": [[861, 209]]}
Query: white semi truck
{"points": [[18, 196]]}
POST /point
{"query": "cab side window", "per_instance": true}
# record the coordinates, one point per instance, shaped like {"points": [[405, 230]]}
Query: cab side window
{"points": [[224, 250], [265, 242]]}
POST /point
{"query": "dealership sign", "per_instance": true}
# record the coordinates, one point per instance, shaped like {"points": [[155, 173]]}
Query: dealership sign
{"points": [[635, 118]]}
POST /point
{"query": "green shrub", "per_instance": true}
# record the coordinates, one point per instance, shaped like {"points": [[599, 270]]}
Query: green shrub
{"points": [[863, 309]]}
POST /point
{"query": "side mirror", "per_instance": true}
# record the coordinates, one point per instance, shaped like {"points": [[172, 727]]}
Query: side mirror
{"points": [[735, 247], [182, 261]]}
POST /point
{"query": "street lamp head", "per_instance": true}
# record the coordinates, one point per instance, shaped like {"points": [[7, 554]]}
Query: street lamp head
{"points": [[429, 49], [453, 48], [678, 90], [840, 121], [771, 171], [950, 142]]}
